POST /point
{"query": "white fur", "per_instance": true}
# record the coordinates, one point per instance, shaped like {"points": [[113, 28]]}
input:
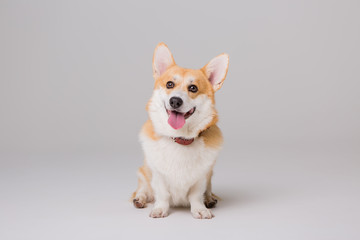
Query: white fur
{"points": [[178, 166], [178, 171], [178, 174]]}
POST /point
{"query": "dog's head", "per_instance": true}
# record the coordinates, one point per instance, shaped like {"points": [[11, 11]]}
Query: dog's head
{"points": [[183, 100]]}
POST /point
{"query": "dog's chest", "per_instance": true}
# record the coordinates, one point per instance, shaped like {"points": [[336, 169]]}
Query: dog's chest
{"points": [[181, 165]]}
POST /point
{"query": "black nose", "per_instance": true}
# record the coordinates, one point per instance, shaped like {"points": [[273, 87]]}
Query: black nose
{"points": [[176, 102]]}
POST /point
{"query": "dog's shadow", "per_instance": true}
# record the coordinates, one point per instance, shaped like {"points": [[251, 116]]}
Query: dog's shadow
{"points": [[232, 198]]}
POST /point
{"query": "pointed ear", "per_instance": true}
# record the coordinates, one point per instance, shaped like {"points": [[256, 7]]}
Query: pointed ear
{"points": [[162, 59], [216, 70]]}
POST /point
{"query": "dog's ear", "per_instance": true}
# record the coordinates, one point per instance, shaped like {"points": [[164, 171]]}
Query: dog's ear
{"points": [[162, 59], [216, 70]]}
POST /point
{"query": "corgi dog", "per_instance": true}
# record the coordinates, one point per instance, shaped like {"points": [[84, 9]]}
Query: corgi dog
{"points": [[180, 139]]}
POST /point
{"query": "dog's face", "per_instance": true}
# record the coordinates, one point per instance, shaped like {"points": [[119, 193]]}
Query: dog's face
{"points": [[183, 100]]}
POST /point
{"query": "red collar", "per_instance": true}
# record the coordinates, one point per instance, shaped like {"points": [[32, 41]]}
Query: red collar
{"points": [[183, 141]]}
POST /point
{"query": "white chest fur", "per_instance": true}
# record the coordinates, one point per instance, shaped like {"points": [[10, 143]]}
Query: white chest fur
{"points": [[179, 166]]}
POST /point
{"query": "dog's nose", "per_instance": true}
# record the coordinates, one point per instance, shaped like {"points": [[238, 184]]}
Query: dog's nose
{"points": [[176, 102]]}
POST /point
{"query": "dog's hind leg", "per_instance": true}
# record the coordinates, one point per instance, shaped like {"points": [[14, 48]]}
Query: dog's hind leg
{"points": [[210, 199], [143, 193]]}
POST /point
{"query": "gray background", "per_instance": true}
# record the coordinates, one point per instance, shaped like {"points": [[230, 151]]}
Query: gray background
{"points": [[74, 80]]}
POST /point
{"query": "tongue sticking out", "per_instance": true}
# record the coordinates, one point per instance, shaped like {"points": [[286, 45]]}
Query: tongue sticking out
{"points": [[176, 119]]}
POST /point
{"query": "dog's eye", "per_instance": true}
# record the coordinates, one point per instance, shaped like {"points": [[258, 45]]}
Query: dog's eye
{"points": [[170, 84], [193, 88]]}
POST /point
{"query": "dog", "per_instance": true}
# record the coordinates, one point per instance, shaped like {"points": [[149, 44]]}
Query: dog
{"points": [[180, 140]]}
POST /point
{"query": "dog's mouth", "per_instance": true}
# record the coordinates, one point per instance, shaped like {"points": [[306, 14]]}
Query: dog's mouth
{"points": [[177, 119]]}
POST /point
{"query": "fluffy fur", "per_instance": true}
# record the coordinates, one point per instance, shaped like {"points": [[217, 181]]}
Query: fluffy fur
{"points": [[175, 174]]}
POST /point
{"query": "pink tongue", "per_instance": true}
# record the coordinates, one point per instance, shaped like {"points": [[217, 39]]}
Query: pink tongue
{"points": [[176, 120]]}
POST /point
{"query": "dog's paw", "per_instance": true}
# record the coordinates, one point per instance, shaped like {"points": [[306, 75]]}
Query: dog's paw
{"points": [[210, 201], [202, 213], [139, 202], [159, 213]]}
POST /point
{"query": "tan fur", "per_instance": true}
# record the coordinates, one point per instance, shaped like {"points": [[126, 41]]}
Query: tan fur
{"points": [[146, 172], [144, 181], [200, 80], [149, 130], [212, 136]]}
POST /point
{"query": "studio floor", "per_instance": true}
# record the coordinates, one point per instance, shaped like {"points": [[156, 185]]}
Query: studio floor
{"points": [[267, 194]]}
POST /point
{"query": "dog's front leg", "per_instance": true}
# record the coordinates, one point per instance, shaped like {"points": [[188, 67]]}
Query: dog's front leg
{"points": [[196, 199], [162, 196]]}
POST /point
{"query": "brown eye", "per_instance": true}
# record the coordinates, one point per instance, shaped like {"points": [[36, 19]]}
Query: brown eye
{"points": [[170, 84], [193, 88]]}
